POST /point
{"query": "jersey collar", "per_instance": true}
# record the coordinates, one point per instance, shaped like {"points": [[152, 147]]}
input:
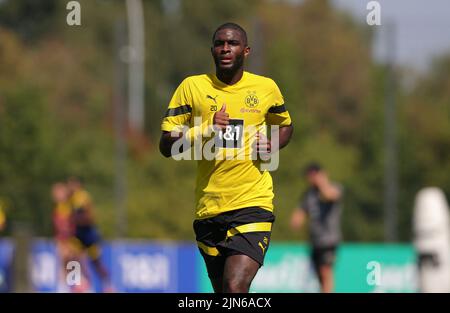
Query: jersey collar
{"points": [[224, 86]]}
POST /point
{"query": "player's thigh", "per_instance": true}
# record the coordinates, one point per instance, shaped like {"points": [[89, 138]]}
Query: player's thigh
{"points": [[240, 269]]}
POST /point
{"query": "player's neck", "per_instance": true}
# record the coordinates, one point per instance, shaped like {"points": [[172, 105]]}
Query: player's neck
{"points": [[230, 78]]}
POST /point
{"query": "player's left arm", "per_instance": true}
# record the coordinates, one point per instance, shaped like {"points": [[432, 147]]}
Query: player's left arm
{"points": [[284, 135], [278, 117]]}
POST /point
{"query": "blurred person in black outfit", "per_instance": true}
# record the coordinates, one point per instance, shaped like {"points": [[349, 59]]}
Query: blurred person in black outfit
{"points": [[321, 203]]}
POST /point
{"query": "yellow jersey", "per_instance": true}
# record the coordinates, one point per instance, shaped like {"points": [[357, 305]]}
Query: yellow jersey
{"points": [[224, 184], [80, 199]]}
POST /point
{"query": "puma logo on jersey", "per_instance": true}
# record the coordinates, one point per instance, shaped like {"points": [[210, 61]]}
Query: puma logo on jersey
{"points": [[261, 246], [212, 98]]}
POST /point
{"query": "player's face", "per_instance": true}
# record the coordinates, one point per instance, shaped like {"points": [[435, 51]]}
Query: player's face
{"points": [[229, 50], [312, 177], [59, 193]]}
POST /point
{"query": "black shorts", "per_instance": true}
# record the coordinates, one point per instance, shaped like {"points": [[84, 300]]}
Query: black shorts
{"points": [[244, 231], [323, 256], [88, 235], [88, 238]]}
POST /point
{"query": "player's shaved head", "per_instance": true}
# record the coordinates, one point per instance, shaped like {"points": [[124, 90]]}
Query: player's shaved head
{"points": [[233, 26]]}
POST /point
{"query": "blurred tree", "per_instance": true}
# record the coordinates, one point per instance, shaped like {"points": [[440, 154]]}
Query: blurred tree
{"points": [[30, 19]]}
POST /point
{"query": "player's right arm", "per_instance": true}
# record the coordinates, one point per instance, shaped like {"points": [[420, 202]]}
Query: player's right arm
{"points": [[220, 121], [178, 118], [178, 115], [166, 142]]}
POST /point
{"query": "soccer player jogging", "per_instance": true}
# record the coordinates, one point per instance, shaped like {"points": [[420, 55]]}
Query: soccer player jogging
{"points": [[234, 196]]}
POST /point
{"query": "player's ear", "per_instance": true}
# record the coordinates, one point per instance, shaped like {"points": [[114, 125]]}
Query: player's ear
{"points": [[247, 51]]}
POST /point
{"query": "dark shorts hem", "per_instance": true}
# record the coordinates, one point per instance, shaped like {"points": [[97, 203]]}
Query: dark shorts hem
{"points": [[215, 234]]}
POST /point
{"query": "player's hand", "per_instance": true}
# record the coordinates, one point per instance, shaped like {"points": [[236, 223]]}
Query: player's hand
{"points": [[321, 179], [263, 146], [296, 220], [221, 118]]}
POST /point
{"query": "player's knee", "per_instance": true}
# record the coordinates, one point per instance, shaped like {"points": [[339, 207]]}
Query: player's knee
{"points": [[236, 285]]}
